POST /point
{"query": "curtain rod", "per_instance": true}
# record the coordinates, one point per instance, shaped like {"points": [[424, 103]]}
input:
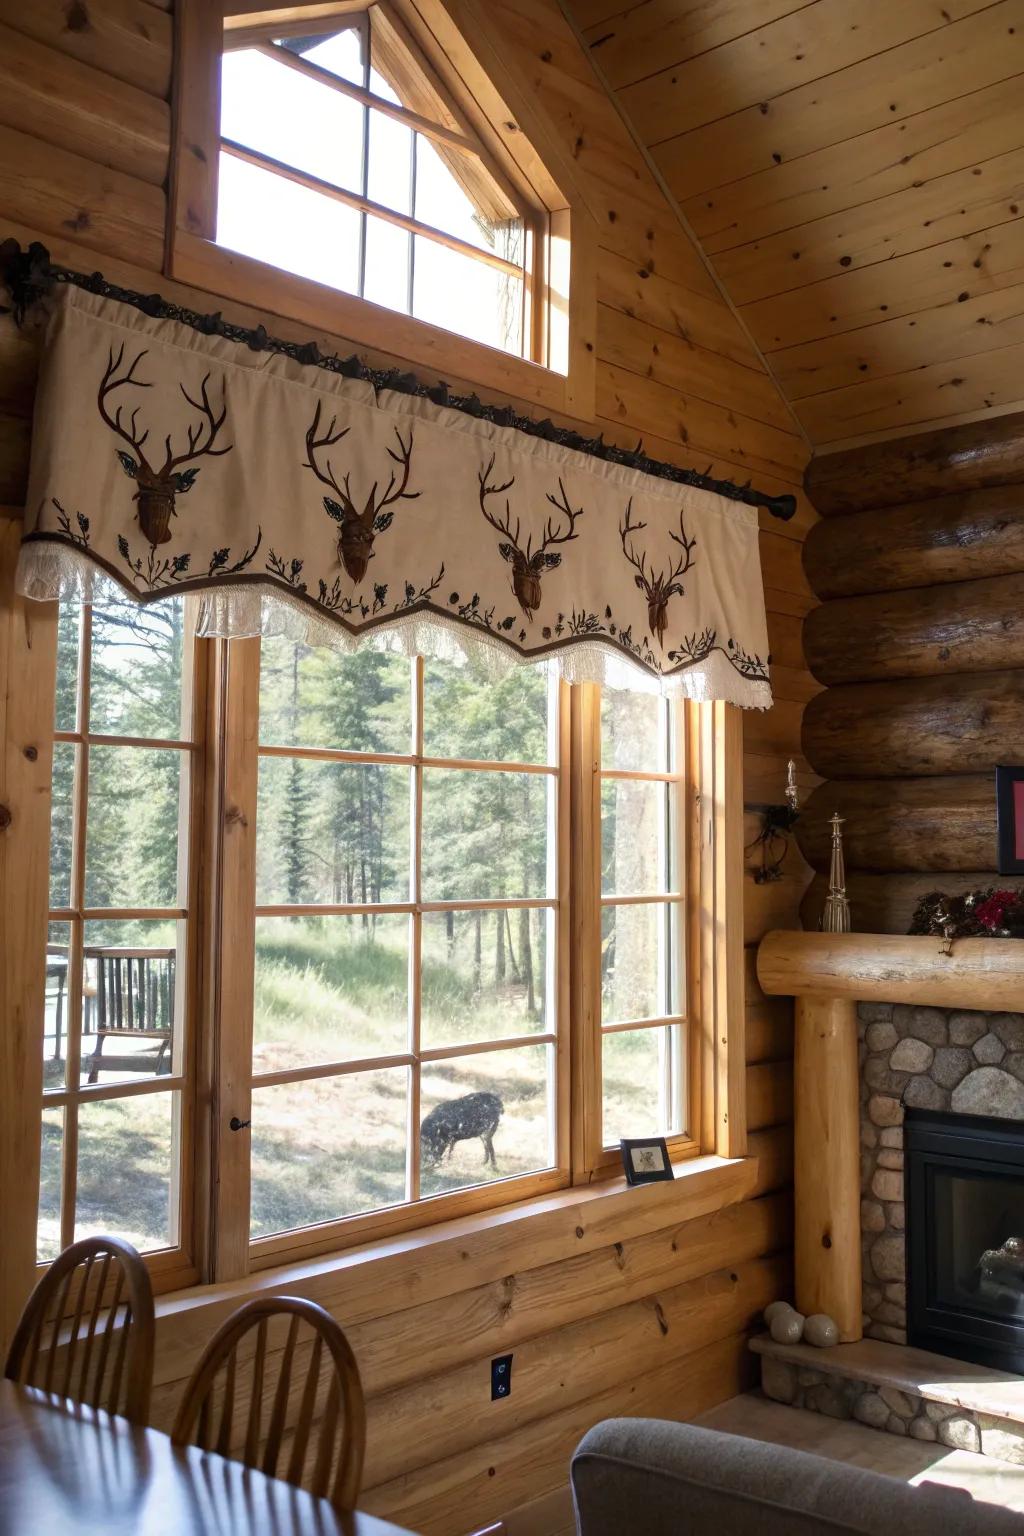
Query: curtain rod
{"points": [[29, 275]]}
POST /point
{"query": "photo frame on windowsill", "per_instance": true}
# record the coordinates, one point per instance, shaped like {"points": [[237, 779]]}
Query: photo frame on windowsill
{"points": [[645, 1159], [1010, 820]]}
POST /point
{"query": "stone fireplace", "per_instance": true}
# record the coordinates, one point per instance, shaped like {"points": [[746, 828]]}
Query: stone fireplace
{"points": [[920, 1058]]}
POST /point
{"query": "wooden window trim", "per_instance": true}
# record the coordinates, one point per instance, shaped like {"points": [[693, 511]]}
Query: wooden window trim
{"points": [[511, 132]]}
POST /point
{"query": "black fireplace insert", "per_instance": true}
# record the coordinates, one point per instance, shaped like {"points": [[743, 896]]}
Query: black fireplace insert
{"points": [[964, 1192]]}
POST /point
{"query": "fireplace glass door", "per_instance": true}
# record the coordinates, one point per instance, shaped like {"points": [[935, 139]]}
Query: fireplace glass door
{"points": [[965, 1237]]}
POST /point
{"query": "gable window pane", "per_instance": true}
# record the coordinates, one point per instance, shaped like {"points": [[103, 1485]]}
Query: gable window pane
{"points": [[341, 54], [460, 294], [287, 226], [268, 107], [389, 164], [443, 202], [388, 269]]}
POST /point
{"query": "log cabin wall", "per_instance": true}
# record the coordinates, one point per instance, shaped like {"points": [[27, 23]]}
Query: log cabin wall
{"points": [[605, 1321], [919, 562]]}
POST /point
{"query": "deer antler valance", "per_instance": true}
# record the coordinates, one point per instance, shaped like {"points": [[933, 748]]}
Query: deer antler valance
{"points": [[169, 460]]}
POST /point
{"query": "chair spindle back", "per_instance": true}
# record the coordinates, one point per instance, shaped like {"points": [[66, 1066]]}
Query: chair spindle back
{"points": [[324, 1412], [87, 1329]]}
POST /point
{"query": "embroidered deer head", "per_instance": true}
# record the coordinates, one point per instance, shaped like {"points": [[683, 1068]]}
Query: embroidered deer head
{"points": [[157, 488], [358, 526], [657, 588], [528, 565]]}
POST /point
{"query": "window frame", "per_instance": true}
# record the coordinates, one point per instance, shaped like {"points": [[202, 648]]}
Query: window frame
{"points": [[226, 701], [179, 1264], [519, 149]]}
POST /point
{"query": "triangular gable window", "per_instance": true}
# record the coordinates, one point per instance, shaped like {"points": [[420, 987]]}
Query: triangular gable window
{"points": [[345, 159]]}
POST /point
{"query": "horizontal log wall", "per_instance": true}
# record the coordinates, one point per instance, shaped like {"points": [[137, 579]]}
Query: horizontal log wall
{"points": [[638, 1323], [919, 640]]}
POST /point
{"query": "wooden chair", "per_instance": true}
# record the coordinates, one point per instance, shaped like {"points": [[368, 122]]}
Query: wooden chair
{"points": [[331, 1410], [134, 1000], [87, 1329]]}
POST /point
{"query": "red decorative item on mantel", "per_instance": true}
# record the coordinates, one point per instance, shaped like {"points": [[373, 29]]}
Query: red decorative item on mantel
{"points": [[997, 914]]}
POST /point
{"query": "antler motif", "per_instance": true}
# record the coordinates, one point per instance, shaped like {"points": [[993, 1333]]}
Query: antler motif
{"points": [[358, 528], [528, 565], [657, 587], [157, 488]]}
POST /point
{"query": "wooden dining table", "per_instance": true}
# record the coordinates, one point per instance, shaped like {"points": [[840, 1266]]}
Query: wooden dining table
{"points": [[66, 1468]]}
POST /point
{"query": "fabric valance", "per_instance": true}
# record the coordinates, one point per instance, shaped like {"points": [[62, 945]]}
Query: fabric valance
{"points": [[295, 500]]}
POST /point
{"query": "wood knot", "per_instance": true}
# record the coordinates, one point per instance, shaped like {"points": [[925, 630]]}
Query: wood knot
{"points": [[579, 1231], [826, 1241], [5, 818], [660, 1315], [32, 753], [234, 816], [76, 17]]}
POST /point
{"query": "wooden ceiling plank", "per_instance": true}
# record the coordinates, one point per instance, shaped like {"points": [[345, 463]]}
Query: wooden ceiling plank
{"points": [[977, 51], [989, 381], [983, 262], [949, 331], [649, 407], [796, 51], [624, 45], [981, 197], [895, 158], [647, 296], [654, 354]]}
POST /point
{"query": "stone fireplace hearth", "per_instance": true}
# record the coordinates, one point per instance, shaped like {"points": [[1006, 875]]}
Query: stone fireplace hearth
{"points": [[968, 1063]]}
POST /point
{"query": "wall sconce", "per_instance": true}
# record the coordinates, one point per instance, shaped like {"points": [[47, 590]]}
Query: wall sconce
{"points": [[777, 821]]}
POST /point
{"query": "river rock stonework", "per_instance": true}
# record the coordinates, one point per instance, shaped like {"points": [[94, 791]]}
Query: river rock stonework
{"points": [[930, 1058]]}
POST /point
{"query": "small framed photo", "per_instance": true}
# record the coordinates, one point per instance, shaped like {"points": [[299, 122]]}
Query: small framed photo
{"points": [[645, 1159], [1010, 820]]}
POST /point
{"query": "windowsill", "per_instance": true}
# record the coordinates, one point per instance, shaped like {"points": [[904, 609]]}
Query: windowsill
{"points": [[429, 1263], [365, 325]]}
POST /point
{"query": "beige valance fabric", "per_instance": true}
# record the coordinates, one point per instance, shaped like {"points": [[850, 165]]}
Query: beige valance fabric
{"points": [[294, 499]]}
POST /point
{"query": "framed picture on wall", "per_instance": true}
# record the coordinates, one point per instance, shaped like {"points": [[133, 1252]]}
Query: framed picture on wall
{"points": [[1010, 820]]}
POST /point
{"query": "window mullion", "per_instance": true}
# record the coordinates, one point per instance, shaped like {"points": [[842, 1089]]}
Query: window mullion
{"points": [[76, 957], [585, 922], [413, 1169], [231, 943]]}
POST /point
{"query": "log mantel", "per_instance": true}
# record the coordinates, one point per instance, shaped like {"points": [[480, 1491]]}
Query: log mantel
{"points": [[828, 974], [986, 974]]}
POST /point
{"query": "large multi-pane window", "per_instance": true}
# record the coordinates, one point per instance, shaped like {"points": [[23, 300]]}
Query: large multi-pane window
{"points": [[344, 160], [404, 1001], [117, 1070], [371, 1018]]}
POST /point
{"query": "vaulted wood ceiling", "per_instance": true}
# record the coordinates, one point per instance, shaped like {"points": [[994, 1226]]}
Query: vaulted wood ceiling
{"points": [[854, 170]]}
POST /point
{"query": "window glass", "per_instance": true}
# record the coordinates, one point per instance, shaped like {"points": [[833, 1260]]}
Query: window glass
{"points": [[330, 988], [328, 1148], [287, 226], [642, 939], [331, 133], [458, 293], [272, 108], [411, 990], [115, 975]]}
